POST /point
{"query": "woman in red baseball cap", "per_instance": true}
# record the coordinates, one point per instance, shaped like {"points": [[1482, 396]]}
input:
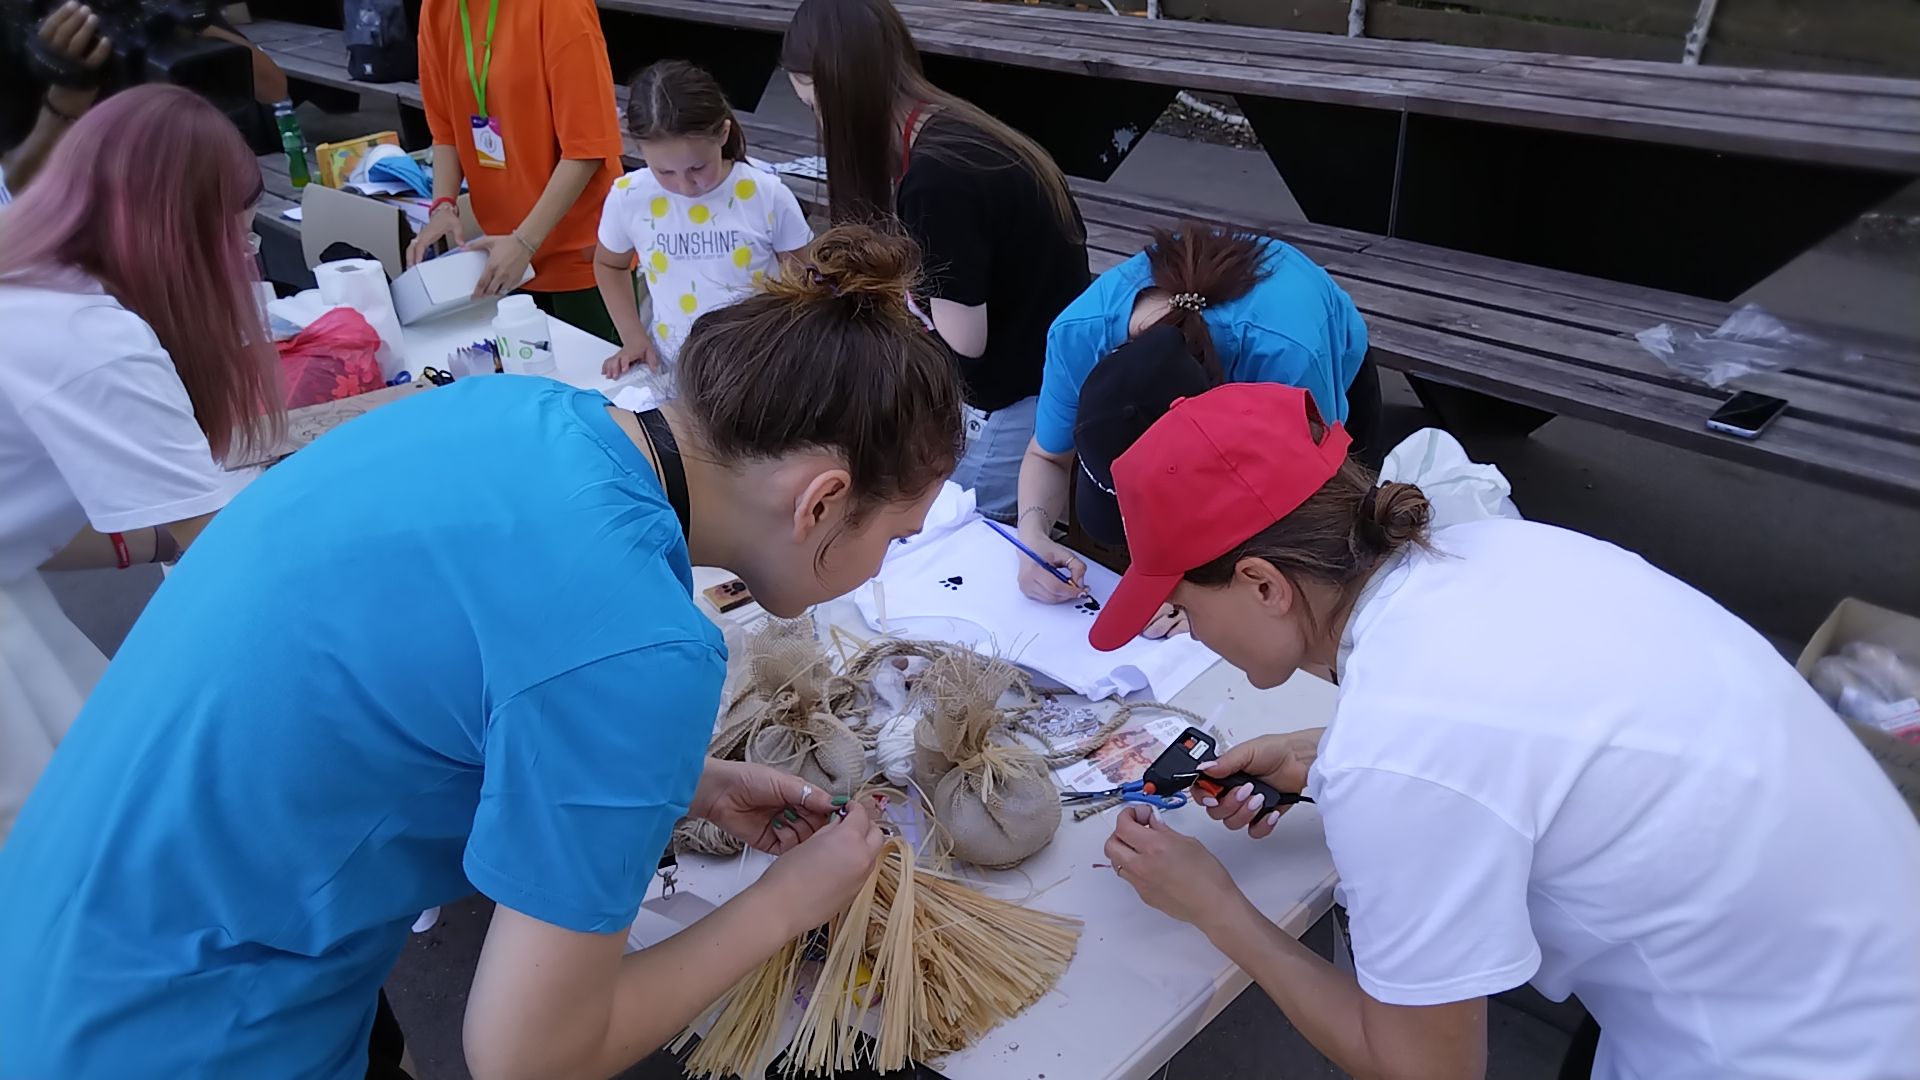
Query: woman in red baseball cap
{"points": [[1550, 763]]}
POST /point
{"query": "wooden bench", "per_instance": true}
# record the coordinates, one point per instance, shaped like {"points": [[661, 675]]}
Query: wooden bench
{"points": [[1541, 339], [1658, 174]]}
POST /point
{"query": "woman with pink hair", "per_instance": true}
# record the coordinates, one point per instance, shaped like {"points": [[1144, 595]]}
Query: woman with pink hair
{"points": [[136, 360]]}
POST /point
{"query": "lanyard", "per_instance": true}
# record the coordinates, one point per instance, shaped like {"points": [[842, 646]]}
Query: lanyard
{"points": [[478, 75], [906, 139]]}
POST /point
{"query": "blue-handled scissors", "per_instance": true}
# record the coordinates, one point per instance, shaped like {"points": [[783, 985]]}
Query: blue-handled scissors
{"points": [[1133, 791]]}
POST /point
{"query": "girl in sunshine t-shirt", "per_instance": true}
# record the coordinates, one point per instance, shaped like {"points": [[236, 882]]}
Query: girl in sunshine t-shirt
{"points": [[708, 227]]}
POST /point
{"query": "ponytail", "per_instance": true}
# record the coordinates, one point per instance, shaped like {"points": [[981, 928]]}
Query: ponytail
{"points": [[1199, 266], [677, 100]]}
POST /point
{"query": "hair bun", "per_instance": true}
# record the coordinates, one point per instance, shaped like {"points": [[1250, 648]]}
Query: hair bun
{"points": [[860, 262], [1400, 513]]}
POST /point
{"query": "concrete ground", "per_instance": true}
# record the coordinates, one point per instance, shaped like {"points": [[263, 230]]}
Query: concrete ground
{"points": [[1778, 552]]}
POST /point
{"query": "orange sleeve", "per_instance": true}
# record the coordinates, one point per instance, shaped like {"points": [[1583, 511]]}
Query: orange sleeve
{"points": [[433, 73], [586, 122]]}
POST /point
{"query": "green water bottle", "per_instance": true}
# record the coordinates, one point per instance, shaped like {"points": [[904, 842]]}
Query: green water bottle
{"points": [[293, 141]]}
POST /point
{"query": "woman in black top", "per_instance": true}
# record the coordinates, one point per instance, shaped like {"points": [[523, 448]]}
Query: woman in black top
{"points": [[1005, 247]]}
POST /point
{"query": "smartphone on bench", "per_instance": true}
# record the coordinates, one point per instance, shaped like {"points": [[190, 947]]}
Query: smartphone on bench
{"points": [[1746, 414]]}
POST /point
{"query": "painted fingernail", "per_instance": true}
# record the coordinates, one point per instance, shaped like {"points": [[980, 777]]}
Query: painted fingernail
{"points": [[840, 800], [1240, 793], [1255, 803], [1209, 801], [790, 815]]}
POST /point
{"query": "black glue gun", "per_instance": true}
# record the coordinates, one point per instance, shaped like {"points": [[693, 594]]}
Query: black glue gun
{"points": [[1178, 768]]}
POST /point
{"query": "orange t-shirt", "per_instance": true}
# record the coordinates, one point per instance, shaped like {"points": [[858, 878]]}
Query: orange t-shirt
{"points": [[551, 87]]}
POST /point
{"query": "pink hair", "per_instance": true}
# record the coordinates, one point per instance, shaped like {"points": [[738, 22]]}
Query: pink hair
{"points": [[149, 194]]}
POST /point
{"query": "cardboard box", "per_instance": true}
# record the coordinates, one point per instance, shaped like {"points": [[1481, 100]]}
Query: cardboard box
{"points": [[442, 285], [1857, 620], [335, 161], [375, 226], [378, 228]]}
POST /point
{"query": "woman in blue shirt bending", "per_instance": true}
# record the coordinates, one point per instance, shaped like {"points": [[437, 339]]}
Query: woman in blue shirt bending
{"points": [[369, 691], [1250, 308]]}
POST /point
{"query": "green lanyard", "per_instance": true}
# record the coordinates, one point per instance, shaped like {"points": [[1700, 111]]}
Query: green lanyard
{"points": [[478, 75]]}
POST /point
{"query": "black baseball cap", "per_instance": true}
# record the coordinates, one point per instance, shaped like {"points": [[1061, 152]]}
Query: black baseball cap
{"points": [[1128, 390]]}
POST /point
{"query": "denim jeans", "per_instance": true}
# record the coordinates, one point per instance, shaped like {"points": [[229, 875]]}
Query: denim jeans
{"points": [[991, 466]]}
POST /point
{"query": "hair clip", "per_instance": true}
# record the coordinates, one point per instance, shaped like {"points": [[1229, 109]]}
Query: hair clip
{"points": [[1192, 301], [814, 275]]}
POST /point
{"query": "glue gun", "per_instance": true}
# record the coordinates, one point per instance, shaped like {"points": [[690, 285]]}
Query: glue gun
{"points": [[1178, 768]]}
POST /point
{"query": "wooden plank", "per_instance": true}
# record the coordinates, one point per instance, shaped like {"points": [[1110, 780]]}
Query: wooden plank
{"points": [[1884, 468], [1750, 76], [1397, 22], [1895, 152], [1623, 359], [1732, 98], [1657, 305], [1894, 376]]}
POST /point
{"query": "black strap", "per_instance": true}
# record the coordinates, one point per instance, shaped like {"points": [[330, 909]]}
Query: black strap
{"points": [[673, 474]]}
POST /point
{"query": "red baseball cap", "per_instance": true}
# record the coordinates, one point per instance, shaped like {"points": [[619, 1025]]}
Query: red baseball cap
{"points": [[1205, 478]]}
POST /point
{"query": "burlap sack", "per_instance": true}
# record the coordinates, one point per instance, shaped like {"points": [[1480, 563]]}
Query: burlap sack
{"points": [[816, 748], [998, 808], [778, 712], [993, 796]]}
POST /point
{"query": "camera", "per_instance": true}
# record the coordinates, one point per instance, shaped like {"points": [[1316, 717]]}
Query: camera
{"points": [[152, 41]]}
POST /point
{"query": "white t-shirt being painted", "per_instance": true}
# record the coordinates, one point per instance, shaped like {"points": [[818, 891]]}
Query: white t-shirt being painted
{"points": [[95, 427], [701, 253], [1553, 763]]}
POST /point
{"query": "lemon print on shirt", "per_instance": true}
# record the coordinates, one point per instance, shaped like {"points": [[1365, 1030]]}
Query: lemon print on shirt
{"points": [[745, 189], [623, 183], [759, 276], [699, 214], [689, 303], [659, 261], [663, 331], [658, 207], [742, 255]]}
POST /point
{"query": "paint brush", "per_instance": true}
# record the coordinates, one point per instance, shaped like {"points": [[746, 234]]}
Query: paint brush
{"points": [[1065, 578]]}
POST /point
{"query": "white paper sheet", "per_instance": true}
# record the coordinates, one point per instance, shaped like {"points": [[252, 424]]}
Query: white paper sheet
{"points": [[961, 586]]}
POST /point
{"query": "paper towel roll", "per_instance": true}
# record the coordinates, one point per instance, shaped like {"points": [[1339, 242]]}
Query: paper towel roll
{"points": [[361, 284]]}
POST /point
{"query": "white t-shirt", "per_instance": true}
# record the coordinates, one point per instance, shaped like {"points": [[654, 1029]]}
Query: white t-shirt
{"points": [[705, 253], [95, 427], [1552, 762]]}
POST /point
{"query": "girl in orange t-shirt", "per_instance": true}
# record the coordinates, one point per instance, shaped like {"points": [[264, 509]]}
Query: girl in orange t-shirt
{"points": [[519, 97]]}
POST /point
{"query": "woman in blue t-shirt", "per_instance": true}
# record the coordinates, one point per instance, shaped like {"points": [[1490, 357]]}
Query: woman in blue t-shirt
{"points": [[367, 692], [1250, 308]]}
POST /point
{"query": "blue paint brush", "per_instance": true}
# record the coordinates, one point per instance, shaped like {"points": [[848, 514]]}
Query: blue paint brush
{"points": [[1065, 578]]}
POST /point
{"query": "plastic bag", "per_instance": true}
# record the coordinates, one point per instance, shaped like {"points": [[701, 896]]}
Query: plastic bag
{"points": [[1458, 487], [1870, 685], [335, 357], [1749, 342]]}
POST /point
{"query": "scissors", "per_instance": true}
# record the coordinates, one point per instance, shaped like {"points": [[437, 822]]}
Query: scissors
{"points": [[1135, 791]]}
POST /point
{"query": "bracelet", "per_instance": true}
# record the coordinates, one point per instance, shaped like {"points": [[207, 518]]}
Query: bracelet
{"points": [[532, 248], [47, 104], [446, 200], [122, 557], [165, 548], [1035, 510]]}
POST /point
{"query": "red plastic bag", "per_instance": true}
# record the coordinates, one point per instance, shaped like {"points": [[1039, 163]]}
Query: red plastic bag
{"points": [[332, 358]]}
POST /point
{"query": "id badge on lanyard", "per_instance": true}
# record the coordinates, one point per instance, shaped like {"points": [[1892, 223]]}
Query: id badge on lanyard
{"points": [[488, 145]]}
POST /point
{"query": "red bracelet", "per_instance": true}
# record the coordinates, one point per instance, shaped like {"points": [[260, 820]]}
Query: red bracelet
{"points": [[434, 207], [120, 552]]}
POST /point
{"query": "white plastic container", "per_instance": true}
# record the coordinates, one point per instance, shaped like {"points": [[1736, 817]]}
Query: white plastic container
{"points": [[526, 342]]}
